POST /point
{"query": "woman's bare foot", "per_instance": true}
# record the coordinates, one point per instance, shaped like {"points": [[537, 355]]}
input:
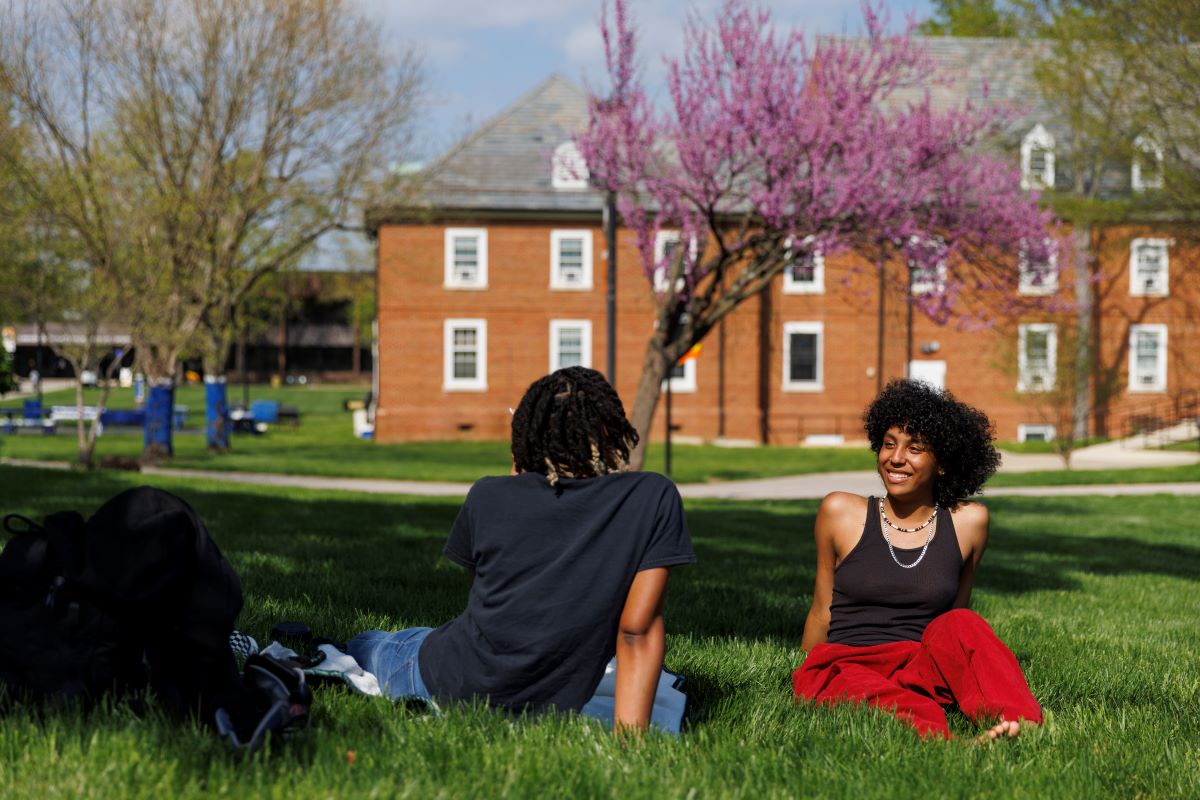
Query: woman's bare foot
{"points": [[1004, 729]]}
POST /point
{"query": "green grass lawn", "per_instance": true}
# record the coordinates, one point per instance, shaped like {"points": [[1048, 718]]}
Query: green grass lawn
{"points": [[1098, 597], [324, 444]]}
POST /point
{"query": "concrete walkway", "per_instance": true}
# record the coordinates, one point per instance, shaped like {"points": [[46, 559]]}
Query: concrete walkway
{"points": [[796, 487]]}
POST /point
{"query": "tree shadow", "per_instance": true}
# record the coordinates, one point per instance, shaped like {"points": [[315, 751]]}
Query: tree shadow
{"points": [[341, 558]]}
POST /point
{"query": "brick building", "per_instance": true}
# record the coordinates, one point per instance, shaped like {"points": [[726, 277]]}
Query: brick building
{"points": [[498, 275]]}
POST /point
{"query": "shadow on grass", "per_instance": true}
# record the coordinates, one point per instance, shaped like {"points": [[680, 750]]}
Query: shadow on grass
{"points": [[345, 557]]}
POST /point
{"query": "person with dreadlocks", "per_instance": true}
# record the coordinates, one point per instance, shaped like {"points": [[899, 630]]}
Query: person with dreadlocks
{"points": [[569, 557], [890, 623]]}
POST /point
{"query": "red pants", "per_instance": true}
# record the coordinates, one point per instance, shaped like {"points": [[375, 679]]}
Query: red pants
{"points": [[959, 660]]}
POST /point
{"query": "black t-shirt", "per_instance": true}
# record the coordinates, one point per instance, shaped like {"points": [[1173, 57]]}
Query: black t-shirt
{"points": [[552, 571]]}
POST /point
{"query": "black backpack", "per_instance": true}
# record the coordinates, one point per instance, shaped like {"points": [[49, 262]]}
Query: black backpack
{"points": [[138, 595]]}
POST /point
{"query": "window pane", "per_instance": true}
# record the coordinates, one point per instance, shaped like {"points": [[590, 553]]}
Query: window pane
{"points": [[1037, 350], [570, 347], [1149, 265], [1146, 355], [803, 273], [1037, 162], [465, 353], [570, 260], [678, 372], [464, 364], [466, 258], [803, 365]]}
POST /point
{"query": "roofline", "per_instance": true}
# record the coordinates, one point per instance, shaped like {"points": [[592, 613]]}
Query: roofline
{"points": [[491, 123], [399, 215]]}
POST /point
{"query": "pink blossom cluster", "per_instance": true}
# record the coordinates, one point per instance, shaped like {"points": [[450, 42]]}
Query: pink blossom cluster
{"points": [[771, 148]]}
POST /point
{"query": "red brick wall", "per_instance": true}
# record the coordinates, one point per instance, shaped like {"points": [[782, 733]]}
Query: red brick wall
{"points": [[519, 304]]}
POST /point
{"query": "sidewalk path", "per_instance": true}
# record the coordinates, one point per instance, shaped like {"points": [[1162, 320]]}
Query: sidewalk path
{"points": [[796, 487]]}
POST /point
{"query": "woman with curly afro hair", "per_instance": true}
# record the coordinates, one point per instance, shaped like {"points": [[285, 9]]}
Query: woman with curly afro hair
{"points": [[568, 558], [890, 623]]}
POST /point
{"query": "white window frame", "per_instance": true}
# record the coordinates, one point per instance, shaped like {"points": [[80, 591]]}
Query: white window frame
{"points": [[685, 384], [1163, 286], [556, 280], [451, 280], [1025, 285], [1042, 139], [1146, 146], [1047, 431], [817, 284], [556, 328], [817, 384], [1025, 382], [661, 238], [568, 170], [451, 383], [1160, 376]]}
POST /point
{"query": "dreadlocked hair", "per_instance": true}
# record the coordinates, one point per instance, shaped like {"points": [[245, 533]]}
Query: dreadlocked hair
{"points": [[571, 424]]}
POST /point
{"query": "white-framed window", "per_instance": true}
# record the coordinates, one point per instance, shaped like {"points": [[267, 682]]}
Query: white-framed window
{"points": [[666, 244], [568, 170], [1145, 172], [1035, 432], [466, 258], [1037, 277], [464, 347], [1147, 358], [1149, 267], [682, 377], [803, 356], [571, 260], [570, 343], [928, 279], [1037, 357], [806, 274], [1037, 159]]}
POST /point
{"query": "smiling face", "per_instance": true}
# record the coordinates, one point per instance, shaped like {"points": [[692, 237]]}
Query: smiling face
{"points": [[908, 467]]}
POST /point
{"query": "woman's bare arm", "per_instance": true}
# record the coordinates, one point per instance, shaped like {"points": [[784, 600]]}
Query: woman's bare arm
{"points": [[641, 644], [838, 510], [971, 524]]}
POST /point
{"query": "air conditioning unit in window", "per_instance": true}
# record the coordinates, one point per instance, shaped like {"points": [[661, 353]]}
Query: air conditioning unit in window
{"points": [[1146, 379], [466, 277], [1037, 379]]}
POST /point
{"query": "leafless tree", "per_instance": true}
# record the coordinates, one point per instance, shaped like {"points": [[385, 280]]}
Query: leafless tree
{"points": [[193, 146]]}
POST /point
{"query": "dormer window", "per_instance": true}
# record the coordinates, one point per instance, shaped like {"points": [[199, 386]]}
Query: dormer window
{"points": [[1037, 159], [1146, 170], [568, 170]]}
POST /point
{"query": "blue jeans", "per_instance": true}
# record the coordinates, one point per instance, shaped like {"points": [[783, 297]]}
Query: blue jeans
{"points": [[392, 659]]}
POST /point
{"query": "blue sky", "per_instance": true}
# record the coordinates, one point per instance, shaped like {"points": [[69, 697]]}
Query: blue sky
{"points": [[481, 55]]}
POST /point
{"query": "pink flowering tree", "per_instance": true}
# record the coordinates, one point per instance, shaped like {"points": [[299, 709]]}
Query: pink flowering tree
{"points": [[771, 150]]}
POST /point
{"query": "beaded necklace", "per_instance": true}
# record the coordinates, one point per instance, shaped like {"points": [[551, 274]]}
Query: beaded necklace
{"points": [[887, 523]]}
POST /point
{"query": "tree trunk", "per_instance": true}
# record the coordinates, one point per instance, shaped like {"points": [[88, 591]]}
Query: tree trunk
{"points": [[655, 368], [1083, 322]]}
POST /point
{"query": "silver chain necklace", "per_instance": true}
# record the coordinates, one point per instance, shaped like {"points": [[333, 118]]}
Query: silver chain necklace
{"points": [[887, 523]]}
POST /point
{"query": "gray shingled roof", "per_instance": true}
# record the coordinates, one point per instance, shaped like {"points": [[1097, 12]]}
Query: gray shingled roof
{"points": [[506, 163], [505, 166]]}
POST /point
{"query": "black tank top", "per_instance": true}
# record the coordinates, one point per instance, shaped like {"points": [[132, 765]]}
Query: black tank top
{"points": [[876, 601]]}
